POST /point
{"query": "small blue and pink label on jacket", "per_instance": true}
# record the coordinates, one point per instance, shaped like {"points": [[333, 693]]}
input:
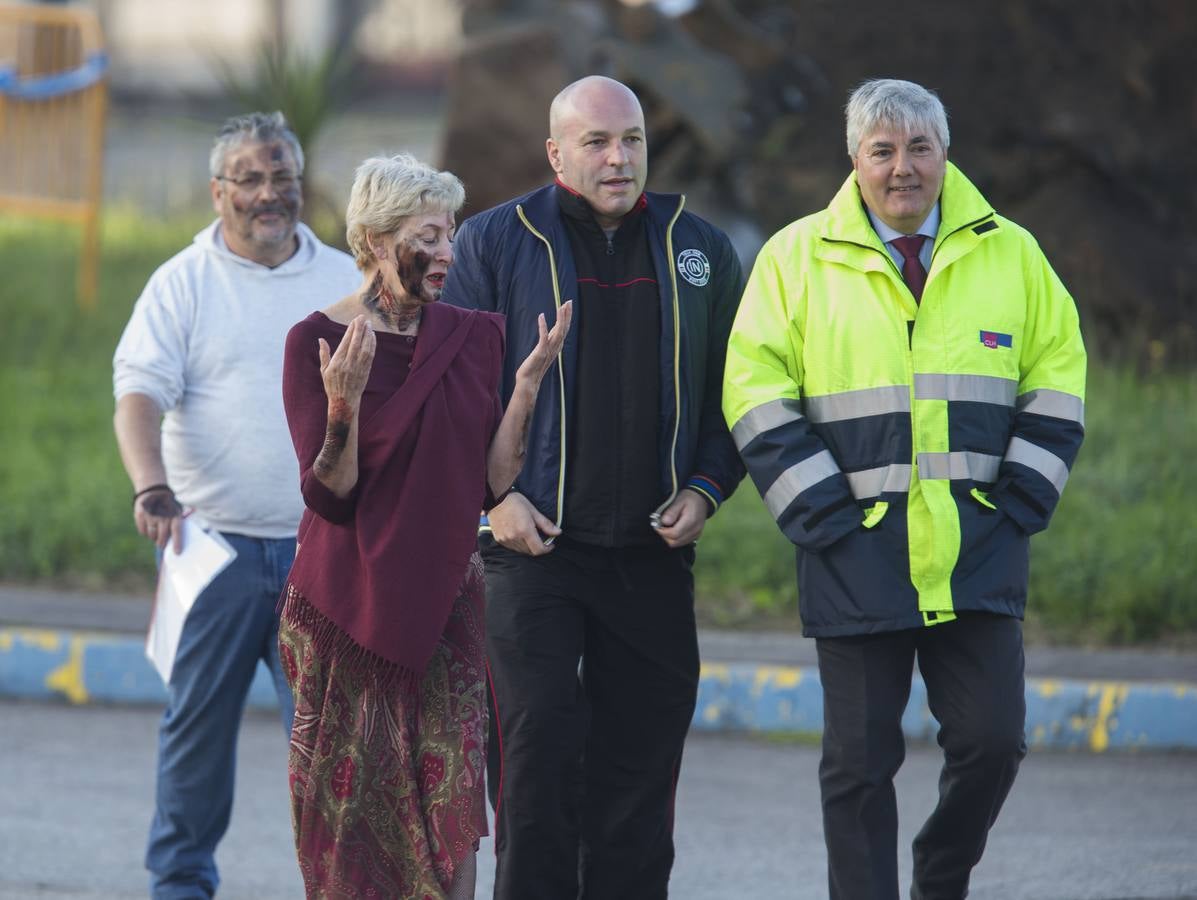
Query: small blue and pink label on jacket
{"points": [[995, 339]]}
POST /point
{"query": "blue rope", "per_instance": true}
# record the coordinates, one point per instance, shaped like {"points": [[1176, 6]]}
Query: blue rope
{"points": [[46, 87]]}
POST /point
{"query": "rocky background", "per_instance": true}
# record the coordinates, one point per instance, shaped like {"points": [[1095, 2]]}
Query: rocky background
{"points": [[1077, 120]]}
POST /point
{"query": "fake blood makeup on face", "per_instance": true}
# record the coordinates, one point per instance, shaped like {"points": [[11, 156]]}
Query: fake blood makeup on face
{"points": [[412, 266]]}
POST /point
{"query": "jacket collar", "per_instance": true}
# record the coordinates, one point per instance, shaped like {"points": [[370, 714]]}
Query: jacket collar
{"points": [[575, 208]]}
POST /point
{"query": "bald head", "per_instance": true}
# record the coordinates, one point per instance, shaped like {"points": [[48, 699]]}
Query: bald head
{"points": [[597, 145], [584, 95]]}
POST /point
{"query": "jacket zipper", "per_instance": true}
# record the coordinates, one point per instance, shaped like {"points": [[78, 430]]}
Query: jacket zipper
{"points": [[677, 352], [519, 209]]}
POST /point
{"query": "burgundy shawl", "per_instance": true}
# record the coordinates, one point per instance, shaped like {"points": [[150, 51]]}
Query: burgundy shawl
{"points": [[383, 565]]}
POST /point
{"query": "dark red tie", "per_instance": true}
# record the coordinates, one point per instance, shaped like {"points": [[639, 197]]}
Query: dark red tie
{"points": [[913, 272]]}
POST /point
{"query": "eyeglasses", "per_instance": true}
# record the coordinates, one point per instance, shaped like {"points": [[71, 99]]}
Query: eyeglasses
{"points": [[253, 181]]}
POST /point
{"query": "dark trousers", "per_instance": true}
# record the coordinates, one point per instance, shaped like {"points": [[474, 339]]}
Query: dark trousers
{"points": [[973, 670], [588, 757]]}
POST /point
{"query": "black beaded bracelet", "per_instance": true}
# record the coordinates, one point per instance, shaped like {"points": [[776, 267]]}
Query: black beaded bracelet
{"points": [[151, 489]]}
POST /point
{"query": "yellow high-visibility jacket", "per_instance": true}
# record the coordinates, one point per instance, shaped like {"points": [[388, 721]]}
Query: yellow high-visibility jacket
{"points": [[908, 450]]}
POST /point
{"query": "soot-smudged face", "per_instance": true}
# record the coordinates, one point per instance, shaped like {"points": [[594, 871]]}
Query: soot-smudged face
{"points": [[259, 197], [423, 252]]}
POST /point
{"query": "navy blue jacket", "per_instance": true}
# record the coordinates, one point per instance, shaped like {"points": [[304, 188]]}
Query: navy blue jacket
{"points": [[515, 259]]}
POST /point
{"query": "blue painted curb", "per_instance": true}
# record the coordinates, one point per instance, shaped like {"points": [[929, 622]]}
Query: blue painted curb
{"points": [[1062, 714], [90, 667], [1065, 714]]}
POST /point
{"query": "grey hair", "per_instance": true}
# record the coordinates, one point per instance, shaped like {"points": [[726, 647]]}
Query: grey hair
{"points": [[387, 191], [254, 126], [890, 102]]}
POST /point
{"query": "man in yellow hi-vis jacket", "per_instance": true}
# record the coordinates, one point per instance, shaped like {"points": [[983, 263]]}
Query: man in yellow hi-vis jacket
{"points": [[905, 382]]}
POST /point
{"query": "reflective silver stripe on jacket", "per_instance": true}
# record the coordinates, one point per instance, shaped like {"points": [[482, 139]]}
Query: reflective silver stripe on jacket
{"points": [[959, 465], [1056, 404], [878, 481], [856, 404], [764, 418], [798, 478], [1042, 461], [972, 388]]}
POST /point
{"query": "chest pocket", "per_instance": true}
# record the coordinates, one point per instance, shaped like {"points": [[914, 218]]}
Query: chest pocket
{"points": [[983, 321]]}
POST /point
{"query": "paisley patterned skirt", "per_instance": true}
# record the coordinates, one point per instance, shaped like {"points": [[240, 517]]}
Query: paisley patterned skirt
{"points": [[387, 794]]}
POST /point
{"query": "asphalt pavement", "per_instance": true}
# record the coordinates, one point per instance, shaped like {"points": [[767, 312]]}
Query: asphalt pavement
{"points": [[78, 790], [79, 706]]}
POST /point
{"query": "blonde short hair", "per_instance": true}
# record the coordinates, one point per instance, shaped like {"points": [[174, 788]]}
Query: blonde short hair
{"points": [[387, 191]]}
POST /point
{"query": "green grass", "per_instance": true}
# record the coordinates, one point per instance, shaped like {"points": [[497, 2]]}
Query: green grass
{"points": [[1118, 565], [63, 492]]}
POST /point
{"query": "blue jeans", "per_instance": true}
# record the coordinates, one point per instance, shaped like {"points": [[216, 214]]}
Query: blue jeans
{"points": [[232, 625]]}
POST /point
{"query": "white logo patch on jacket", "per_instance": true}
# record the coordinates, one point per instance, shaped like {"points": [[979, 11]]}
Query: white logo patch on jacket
{"points": [[694, 267]]}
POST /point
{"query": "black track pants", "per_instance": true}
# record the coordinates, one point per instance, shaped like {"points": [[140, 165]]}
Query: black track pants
{"points": [[588, 758], [973, 670]]}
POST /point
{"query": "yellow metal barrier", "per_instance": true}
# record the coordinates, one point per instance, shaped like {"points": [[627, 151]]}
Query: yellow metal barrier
{"points": [[53, 100]]}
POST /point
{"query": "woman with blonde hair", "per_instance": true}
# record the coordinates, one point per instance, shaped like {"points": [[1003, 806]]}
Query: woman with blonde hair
{"points": [[393, 405]]}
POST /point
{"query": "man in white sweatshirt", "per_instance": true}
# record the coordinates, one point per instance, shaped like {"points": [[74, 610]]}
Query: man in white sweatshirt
{"points": [[199, 421]]}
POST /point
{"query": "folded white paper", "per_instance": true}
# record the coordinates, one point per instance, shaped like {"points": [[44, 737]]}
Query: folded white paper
{"points": [[181, 578]]}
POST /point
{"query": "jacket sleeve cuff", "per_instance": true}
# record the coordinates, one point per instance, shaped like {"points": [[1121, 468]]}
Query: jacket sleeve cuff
{"points": [[324, 503], [1018, 505], [709, 490], [817, 531]]}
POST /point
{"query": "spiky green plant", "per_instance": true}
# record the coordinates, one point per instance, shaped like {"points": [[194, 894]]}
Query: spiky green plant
{"points": [[307, 88]]}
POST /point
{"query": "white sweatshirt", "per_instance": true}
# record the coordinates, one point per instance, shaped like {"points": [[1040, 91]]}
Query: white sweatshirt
{"points": [[205, 342]]}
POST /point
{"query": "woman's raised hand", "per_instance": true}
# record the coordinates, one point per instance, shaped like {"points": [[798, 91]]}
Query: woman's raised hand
{"points": [[345, 372], [524, 529], [548, 346]]}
